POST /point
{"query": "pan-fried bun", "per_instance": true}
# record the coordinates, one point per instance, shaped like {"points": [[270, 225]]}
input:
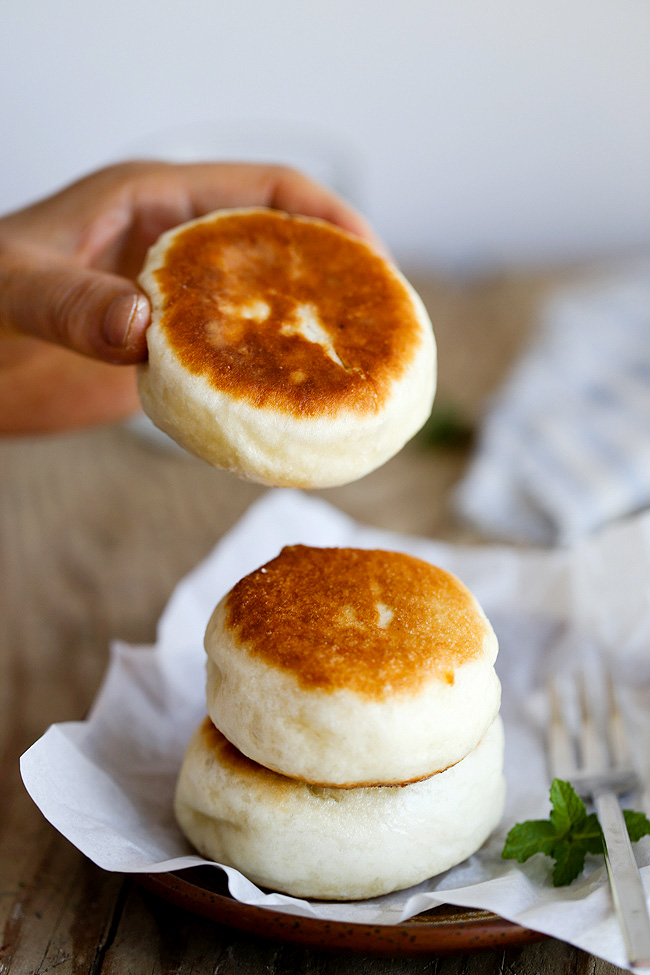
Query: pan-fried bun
{"points": [[336, 844], [350, 667], [283, 348]]}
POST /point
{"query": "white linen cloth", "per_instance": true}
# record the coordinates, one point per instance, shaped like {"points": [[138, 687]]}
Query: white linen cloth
{"points": [[565, 446], [107, 783]]}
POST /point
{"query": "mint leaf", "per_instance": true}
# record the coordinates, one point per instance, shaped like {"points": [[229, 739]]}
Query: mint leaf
{"points": [[588, 835], [567, 835], [526, 839], [638, 824], [568, 808], [569, 863]]}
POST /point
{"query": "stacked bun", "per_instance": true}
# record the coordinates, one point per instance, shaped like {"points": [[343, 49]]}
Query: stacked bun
{"points": [[283, 349], [353, 744]]}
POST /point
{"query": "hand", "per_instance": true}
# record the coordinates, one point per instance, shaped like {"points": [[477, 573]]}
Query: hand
{"points": [[68, 266]]}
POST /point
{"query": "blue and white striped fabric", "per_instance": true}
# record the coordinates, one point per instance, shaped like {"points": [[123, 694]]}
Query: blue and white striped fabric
{"points": [[565, 447]]}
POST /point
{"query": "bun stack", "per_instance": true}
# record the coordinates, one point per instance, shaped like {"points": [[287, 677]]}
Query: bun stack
{"points": [[353, 744]]}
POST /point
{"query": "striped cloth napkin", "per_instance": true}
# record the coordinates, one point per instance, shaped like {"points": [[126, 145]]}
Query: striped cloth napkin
{"points": [[565, 446]]}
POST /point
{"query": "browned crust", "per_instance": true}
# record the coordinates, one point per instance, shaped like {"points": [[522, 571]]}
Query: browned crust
{"points": [[214, 269], [372, 622]]}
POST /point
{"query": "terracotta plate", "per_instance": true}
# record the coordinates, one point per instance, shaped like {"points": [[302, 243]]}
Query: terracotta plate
{"points": [[442, 931]]}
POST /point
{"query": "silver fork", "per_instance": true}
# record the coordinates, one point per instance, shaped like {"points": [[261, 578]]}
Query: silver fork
{"points": [[602, 774]]}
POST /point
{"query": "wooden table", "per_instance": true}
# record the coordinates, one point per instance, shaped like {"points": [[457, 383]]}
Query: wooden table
{"points": [[96, 528]]}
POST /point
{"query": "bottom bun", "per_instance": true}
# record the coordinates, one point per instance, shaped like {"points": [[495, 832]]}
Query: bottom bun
{"points": [[336, 844]]}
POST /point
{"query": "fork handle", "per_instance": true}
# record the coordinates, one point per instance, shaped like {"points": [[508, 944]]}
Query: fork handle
{"points": [[624, 878]]}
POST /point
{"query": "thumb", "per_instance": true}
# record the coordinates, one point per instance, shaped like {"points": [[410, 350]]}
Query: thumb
{"points": [[97, 314]]}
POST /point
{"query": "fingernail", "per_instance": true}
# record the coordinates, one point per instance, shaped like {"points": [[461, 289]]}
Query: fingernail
{"points": [[124, 314]]}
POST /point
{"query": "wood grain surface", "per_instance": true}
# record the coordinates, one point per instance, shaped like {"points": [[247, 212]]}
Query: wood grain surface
{"points": [[96, 528]]}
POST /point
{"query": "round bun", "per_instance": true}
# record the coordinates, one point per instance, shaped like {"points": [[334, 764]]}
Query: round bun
{"points": [[348, 667], [335, 844], [283, 349]]}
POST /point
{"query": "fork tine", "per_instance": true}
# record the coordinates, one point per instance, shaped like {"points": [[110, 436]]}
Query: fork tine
{"points": [[594, 756], [603, 784], [561, 754], [619, 742]]}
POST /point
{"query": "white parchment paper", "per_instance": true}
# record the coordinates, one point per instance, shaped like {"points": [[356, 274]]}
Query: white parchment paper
{"points": [[107, 783]]}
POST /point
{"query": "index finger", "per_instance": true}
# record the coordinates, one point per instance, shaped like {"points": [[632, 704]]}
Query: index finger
{"points": [[213, 186]]}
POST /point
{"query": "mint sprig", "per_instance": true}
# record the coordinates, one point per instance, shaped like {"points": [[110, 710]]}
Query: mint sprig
{"points": [[567, 835]]}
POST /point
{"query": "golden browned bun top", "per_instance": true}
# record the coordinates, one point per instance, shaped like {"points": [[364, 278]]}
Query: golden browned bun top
{"points": [[373, 622], [286, 312]]}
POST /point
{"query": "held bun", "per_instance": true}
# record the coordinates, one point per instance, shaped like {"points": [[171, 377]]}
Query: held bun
{"points": [[349, 667], [336, 844], [283, 349]]}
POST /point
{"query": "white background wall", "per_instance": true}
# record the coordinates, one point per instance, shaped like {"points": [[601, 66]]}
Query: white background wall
{"points": [[479, 132]]}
